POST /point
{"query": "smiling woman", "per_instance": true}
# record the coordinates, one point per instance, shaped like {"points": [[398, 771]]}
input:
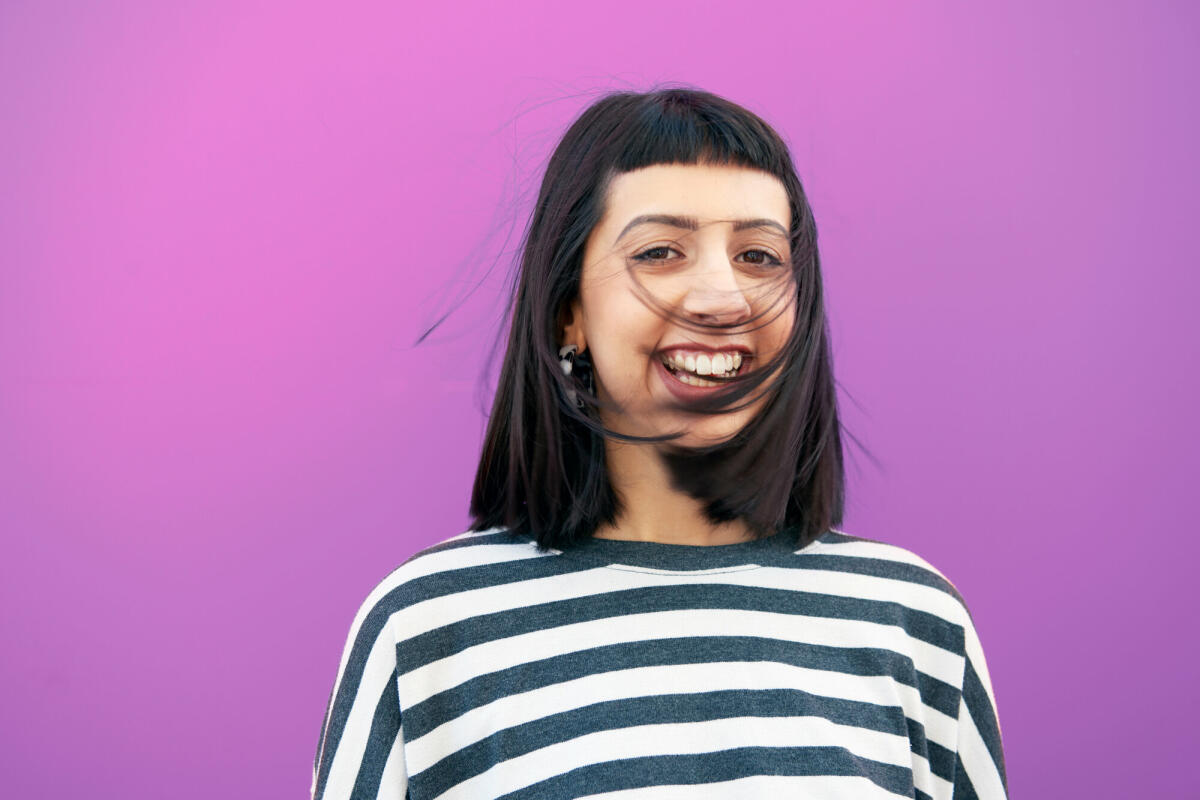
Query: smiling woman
{"points": [[663, 298], [653, 600], [715, 259]]}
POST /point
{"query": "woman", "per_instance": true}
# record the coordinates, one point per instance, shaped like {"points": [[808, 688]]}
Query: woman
{"points": [[652, 601]]}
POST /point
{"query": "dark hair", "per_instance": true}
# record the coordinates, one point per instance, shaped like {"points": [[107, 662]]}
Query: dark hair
{"points": [[542, 471]]}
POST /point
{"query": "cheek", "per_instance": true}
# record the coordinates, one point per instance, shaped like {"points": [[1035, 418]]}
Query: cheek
{"points": [[781, 328], [618, 322], [621, 374]]}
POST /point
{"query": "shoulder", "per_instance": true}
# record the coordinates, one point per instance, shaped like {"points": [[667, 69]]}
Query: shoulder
{"points": [[472, 559], [870, 556], [887, 572]]}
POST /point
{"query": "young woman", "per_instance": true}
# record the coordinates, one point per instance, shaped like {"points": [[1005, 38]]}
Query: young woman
{"points": [[653, 601]]}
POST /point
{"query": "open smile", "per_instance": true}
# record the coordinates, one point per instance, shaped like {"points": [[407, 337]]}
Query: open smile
{"points": [[706, 371], [689, 375]]}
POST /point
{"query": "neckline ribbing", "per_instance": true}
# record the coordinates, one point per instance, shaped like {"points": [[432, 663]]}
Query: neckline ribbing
{"points": [[662, 555]]}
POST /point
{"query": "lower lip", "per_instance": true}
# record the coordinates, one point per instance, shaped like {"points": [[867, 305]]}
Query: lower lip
{"points": [[684, 391]]}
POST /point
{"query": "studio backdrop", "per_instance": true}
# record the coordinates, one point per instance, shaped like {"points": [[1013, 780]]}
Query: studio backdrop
{"points": [[253, 265]]}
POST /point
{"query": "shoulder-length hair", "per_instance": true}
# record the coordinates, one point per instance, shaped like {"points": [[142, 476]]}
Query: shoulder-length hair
{"points": [[542, 471]]}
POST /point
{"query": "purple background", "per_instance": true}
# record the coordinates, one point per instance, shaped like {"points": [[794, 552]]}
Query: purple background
{"points": [[223, 225]]}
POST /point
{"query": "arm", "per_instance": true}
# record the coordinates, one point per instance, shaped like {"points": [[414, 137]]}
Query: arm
{"points": [[979, 766], [361, 749]]}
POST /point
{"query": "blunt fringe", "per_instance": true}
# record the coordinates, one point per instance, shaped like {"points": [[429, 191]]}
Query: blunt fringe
{"points": [[542, 469]]}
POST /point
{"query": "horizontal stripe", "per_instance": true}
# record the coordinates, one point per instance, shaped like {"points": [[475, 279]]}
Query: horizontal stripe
{"points": [[655, 754], [461, 666], [483, 628], [870, 733], [927, 613], [914, 573], [759, 787], [839, 691], [429, 572], [485, 667], [376, 609]]}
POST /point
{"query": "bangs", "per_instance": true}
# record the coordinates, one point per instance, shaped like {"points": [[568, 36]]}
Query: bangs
{"points": [[681, 129]]}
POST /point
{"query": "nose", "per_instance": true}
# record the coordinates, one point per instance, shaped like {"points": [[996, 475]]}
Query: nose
{"points": [[713, 294]]}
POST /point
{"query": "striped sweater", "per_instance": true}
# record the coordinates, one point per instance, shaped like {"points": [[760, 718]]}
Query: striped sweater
{"points": [[484, 667]]}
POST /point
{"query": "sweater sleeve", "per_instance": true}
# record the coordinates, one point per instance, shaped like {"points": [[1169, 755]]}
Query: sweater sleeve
{"points": [[361, 749], [979, 772]]}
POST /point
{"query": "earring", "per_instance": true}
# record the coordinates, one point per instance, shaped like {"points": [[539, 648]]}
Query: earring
{"points": [[579, 364]]}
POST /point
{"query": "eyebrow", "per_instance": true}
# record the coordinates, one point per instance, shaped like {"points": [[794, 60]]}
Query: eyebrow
{"points": [[692, 224]]}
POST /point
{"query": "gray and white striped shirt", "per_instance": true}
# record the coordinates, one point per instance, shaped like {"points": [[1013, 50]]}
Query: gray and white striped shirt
{"points": [[483, 667]]}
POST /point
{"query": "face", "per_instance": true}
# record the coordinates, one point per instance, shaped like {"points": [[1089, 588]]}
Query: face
{"points": [[708, 243]]}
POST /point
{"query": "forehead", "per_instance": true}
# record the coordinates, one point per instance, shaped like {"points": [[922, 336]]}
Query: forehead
{"points": [[708, 192]]}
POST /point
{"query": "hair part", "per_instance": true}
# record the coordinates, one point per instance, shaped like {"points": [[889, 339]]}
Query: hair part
{"points": [[542, 470]]}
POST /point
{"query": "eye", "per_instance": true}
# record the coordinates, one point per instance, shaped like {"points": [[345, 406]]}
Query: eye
{"points": [[656, 253], [762, 258]]}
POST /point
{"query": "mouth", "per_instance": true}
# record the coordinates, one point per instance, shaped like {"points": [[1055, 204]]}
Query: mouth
{"points": [[701, 370], [704, 371]]}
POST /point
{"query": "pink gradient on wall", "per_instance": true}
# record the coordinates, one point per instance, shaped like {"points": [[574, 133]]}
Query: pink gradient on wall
{"points": [[224, 225]]}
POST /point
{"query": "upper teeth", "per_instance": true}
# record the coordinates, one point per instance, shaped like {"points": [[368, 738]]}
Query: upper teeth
{"points": [[704, 363]]}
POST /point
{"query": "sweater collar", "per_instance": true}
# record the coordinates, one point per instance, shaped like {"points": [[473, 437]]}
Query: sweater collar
{"points": [[661, 555]]}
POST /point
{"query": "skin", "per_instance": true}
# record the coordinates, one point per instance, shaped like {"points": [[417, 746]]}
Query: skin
{"points": [[712, 274]]}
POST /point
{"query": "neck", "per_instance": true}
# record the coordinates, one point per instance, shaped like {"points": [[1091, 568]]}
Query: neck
{"points": [[652, 509]]}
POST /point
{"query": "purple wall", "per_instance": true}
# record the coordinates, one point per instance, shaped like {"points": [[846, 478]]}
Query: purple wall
{"points": [[222, 226]]}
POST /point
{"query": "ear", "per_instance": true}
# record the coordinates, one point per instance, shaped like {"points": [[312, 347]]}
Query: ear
{"points": [[570, 322]]}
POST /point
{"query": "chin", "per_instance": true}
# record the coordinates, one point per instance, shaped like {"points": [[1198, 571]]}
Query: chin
{"points": [[706, 437]]}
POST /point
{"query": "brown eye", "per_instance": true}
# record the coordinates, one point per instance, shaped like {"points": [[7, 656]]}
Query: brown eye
{"points": [[761, 258], [658, 253]]}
